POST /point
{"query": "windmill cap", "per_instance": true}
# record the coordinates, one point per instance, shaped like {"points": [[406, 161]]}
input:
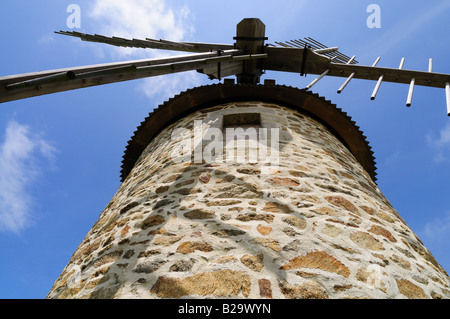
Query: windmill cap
{"points": [[301, 100]]}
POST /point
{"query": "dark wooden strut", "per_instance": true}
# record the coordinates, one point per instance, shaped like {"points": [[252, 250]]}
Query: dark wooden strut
{"points": [[250, 37]]}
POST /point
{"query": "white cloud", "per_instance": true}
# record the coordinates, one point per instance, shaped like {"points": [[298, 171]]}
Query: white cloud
{"points": [[171, 85], [438, 229], [46, 39], [440, 144], [142, 19], [19, 156]]}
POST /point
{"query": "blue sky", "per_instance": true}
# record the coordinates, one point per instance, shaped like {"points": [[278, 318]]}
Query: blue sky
{"points": [[60, 154]]}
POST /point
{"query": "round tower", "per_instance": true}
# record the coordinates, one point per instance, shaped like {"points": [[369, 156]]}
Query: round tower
{"points": [[250, 191]]}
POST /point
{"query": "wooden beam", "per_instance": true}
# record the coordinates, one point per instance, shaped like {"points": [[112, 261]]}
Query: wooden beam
{"points": [[250, 37], [149, 43], [76, 83], [290, 60]]}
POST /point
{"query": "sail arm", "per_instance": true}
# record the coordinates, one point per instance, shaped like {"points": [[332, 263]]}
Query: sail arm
{"points": [[306, 61], [21, 86], [40, 83], [423, 78], [149, 43]]}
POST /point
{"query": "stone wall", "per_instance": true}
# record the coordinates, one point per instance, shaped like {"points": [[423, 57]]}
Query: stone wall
{"points": [[315, 226]]}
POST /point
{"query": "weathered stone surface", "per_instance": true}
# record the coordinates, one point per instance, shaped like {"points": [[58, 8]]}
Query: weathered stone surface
{"points": [[191, 246], [307, 290], [340, 201], [369, 210], [378, 230], [152, 221], [167, 239], [306, 274], [224, 260], [69, 293], [149, 253], [436, 295], [279, 181], [101, 272], [264, 230], [204, 177], [254, 262], [149, 266], [128, 254], [159, 231], [385, 216], [228, 232], [274, 207], [371, 276], [324, 211], [422, 251], [171, 178], [253, 216], [402, 262], [128, 207], [292, 246], [222, 283], [108, 258], [310, 198], [183, 265], [213, 230], [236, 191], [318, 260], [125, 230], [331, 230], [199, 214], [226, 179], [365, 240], [295, 221], [341, 287], [298, 173], [249, 170], [162, 189], [410, 290], [268, 242], [265, 288], [103, 293], [162, 203], [224, 202], [290, 231], [188, 191], [185, 183]]}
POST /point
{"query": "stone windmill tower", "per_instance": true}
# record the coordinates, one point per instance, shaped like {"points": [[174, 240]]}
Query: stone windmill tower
{"points": [[246, 190]]}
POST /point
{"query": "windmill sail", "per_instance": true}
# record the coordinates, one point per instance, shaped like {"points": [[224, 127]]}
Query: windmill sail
{"points": [[319, 48], [247, 59], [39, 83], [311, 60], [149, 43]]}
